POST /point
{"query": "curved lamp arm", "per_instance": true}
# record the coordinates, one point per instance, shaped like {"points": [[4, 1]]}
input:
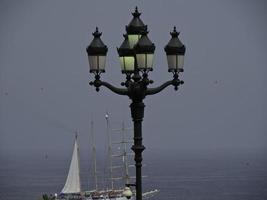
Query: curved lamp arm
{"points": [[156, 90], [97, 83], [120, 91], [175, 82]]}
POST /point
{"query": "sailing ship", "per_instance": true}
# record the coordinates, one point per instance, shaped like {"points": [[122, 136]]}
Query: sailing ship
{"points": [[72, 188]]}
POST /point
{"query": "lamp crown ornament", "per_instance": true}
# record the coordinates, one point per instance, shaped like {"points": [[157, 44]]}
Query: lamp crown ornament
{"points": [[136, 25], [96, 34], [97, 46], [144, 44], [174, 46], [136, 13], [174, 33], [125, 48]]}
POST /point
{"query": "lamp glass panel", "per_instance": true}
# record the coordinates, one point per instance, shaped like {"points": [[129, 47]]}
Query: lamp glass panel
{"points": [[144, 61], [175, 62], [97, 62], [102, 62], [133, 39], [150, 60], [127, 63], [171, 59], [92, 62], [180, 61]]}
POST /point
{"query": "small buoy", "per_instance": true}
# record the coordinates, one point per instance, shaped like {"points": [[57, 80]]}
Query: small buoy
{"points": [[127, 193]]}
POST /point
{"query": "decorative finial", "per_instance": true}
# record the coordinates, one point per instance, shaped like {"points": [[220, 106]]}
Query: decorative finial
{"points": [[96, 33], [76, 134], [136, 13], [174, 33]]}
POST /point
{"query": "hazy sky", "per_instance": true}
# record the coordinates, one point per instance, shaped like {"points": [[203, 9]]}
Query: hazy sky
{"points": [[44, 91]]}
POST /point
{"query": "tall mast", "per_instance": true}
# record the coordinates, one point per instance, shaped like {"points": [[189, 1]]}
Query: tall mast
{"points": [[94, 155], [109, 152], [124, 156]]}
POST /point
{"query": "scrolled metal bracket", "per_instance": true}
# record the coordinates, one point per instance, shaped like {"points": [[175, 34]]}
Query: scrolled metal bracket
{"points": [[98, 83]]}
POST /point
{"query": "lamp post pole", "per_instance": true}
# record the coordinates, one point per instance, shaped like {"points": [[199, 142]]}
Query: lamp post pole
{"points": [[136, 56]]}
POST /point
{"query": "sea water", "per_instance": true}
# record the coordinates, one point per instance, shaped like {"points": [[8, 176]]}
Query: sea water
{"points": [[178, 174]]}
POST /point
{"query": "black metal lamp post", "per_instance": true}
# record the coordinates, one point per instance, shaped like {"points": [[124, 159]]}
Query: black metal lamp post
{"points": [[136, 57]]}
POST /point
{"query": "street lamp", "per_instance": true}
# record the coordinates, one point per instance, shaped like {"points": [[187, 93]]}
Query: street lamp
{"points": [[144, 51], [126, 55], [136, 57], [135, 28], [97, 53], [175, 51]]}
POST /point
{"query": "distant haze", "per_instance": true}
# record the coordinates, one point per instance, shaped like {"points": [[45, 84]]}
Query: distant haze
{"points": [[44, 91]]}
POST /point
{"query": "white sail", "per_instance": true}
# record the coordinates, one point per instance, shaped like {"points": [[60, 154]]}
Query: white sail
{"points": [[73, 184]]}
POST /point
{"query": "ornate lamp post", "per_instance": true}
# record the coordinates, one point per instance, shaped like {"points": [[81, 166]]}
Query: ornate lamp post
{"points": [[136, 58]]}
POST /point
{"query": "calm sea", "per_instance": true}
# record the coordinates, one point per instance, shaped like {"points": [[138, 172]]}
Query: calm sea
{"points": [[181, 175]]}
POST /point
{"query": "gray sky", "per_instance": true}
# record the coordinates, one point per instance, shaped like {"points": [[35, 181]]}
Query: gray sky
{"points": [[44, 91]]}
